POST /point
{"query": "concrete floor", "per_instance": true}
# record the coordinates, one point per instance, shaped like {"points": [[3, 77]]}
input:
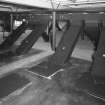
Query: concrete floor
{"points": [[62, 89]]}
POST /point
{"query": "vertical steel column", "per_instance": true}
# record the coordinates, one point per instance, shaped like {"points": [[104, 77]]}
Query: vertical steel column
{"points": [[54, 30], [11, 16]]}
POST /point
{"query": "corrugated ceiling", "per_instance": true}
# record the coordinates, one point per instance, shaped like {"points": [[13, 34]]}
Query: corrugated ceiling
{"points": [[60, 4], [77, 3]]}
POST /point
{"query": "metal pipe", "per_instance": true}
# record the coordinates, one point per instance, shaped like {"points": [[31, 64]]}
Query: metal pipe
{"points": [[8, 7], [54, 30], [83, 3], [11, 16]]}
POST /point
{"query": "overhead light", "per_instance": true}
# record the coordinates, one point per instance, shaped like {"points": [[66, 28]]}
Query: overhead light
{"points": [[101, 12], [85, 13]]}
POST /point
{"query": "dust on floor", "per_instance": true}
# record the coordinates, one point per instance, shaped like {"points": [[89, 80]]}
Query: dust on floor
{"points": [[61, 90]]}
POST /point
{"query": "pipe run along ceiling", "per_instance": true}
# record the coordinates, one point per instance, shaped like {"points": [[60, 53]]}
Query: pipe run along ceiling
{"points": [[60, 4]]}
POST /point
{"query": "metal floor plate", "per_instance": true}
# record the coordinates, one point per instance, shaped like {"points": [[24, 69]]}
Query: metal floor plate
{"points": [[45, 69], [11, 83]]}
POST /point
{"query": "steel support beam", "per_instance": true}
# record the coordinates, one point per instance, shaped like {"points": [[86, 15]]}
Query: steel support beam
{"points": [[54, 30], [13, 37], [30, 40], [98, 68], [11, 16], [62, 53]]}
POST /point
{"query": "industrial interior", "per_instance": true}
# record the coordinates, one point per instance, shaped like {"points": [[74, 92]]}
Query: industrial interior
{"points": [[52, 52]]}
